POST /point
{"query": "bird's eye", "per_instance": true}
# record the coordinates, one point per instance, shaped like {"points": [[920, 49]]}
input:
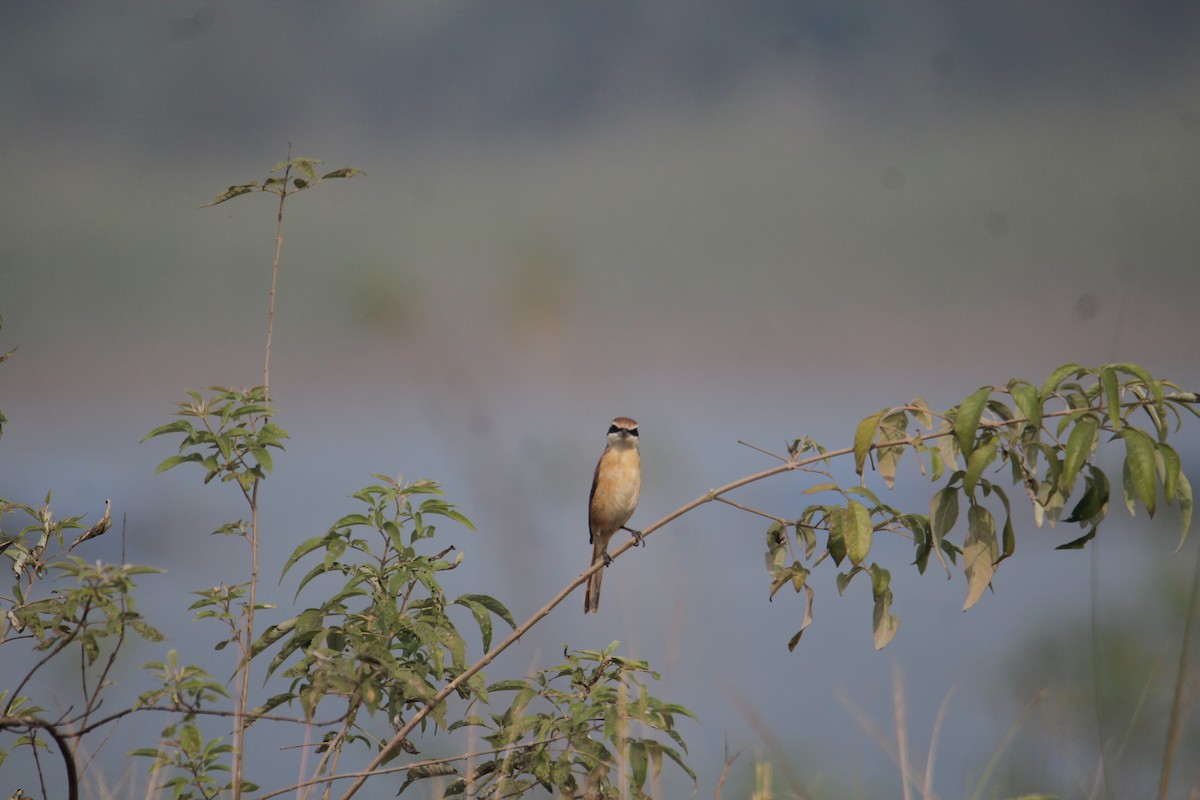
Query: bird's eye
{"points": [[613, 429], [633, 432]]}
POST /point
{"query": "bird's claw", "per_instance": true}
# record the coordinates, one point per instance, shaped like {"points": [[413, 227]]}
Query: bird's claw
{"points": [[637, 537], [607, 558]]}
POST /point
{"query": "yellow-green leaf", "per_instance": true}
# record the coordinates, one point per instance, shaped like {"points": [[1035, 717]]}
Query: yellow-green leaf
{"points": [[1171, 470], [864, 435], [943, 513], [1112, 396], [977, 462], [1139, 459], [1142, 375], [1079, 448], [857, 531], [1057, 377], [883, 621], [1184, 492], [921, 412], [1028, 402], [967, 421], [980, 551]]}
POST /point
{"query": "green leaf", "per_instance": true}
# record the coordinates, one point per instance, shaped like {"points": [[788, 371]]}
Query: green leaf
{"points": [[864, 435], [1093, 506], [1127, 485], [1078, 450], [921, 413], [1112, 396], [884, 623], [836, 542], [1008, 536], [1142, 375], [190, 740], [1139, 460], [966, 423], [1057, 377], [980, 551], [263, 456], [1028, 401], [1171, 470], [808, 618], [1184, 492], [943, 513], [178, 426], [857, 531], [344, 172], [1078, 544], [305, 547], [232, 192], [893, 429], [175, 461], [977, 462]]}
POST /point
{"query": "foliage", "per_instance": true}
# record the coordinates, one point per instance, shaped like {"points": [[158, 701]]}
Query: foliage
{"points": [[285, 183], [183, 750], [1049, 437], [384, 639], [546, 735]]}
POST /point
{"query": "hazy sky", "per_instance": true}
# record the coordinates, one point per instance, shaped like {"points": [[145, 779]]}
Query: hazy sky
{"points": [[730, 221]]}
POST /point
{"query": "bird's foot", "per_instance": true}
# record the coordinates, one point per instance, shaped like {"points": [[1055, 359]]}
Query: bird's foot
{"points": [[637, 537], [607, 558]]}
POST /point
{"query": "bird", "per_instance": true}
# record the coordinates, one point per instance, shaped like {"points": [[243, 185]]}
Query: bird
{"points": [[616, 486]]}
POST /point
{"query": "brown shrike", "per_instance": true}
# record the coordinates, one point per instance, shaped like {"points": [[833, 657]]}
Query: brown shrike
{"points": [[615, 489]]}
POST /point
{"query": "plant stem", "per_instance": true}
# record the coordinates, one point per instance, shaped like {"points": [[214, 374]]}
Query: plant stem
{"points": [[247, 648], [283, 193], [1178, 715]]}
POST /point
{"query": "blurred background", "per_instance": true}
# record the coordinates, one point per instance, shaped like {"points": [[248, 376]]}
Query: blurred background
{"points": [[752, 221]]}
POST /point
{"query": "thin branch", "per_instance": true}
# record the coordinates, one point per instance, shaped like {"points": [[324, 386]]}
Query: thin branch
{"points": [[62, 645], [200, 712], [725, 769], [750, 510], [744, 443]]}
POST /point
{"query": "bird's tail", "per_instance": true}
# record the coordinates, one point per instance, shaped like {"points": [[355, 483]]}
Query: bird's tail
{"points": [[591, 598]]}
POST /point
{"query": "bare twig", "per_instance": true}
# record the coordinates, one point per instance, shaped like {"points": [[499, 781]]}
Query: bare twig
{"points": [[750, 510], [725, 769]]}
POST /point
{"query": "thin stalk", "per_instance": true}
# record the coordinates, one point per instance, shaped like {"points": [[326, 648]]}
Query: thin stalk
{"points": [[1178, 711], [283, 193], [247, 647]]}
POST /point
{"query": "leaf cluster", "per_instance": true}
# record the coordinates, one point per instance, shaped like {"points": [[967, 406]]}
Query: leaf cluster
{"points": [[573, 730], [294, 175], [1045, 437], [384, 638], [191, 760], [229, 433]]}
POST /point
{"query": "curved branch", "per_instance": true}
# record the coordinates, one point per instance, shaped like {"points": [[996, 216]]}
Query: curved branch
{"points": [[28, 722]]}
